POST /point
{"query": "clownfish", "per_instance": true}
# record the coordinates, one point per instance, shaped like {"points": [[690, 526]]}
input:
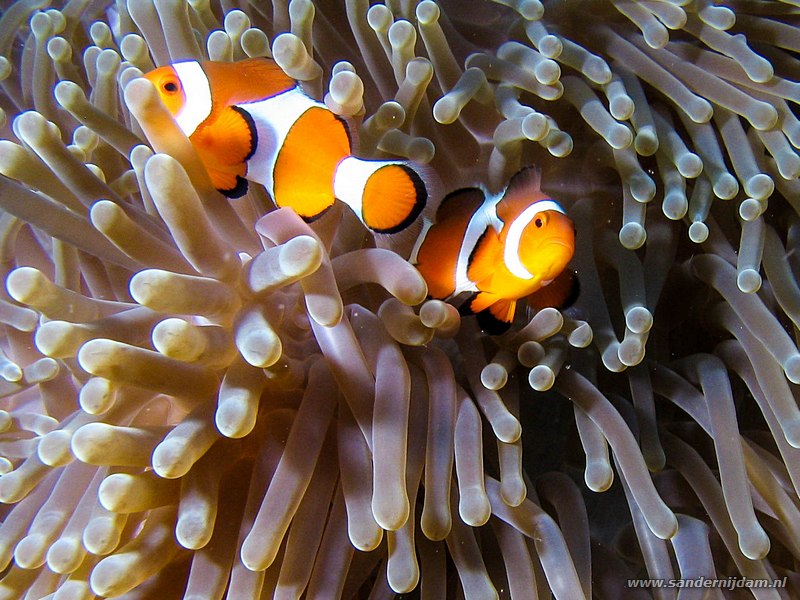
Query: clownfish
{"points": [[249, 121], [500, 248]]}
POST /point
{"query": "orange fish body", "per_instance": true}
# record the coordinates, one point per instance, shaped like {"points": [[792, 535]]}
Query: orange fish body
{"points": [[249, 121], [499, 248]]}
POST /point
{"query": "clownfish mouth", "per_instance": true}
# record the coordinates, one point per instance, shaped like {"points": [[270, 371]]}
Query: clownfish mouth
{"points": [[560, 242], [547, 282]]}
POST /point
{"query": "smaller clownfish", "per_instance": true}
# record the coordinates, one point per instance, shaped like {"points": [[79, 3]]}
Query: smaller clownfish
{"points": [[501, 248], [248, 120]]}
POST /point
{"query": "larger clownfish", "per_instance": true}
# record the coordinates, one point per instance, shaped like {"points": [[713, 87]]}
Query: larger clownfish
{"points": [[500, 248], [248, 120]]}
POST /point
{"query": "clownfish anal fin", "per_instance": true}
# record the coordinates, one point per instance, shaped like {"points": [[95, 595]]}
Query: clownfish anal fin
{"points": [[562, 293]]}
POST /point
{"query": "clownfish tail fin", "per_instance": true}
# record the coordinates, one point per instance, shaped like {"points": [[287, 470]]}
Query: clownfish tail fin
{"points": [[390, 197]]}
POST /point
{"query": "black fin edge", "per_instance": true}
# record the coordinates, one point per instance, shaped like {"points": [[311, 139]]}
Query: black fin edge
{"points": [[472, 252], [486, 320], [343, 122], [251, 125], [491, 324], [237, 191], [422, 199]]}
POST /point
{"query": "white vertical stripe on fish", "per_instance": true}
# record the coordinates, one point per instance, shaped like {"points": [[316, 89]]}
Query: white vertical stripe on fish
{"points": [[350, 179], [197, 92], [518, 225], [274, 118], [484, 217]]}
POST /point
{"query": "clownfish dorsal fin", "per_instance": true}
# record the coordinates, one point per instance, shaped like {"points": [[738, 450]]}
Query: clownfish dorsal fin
{"points": [[224, 147], [529, 177], [244, 81], [468, 198], [485, 257], [523, 189]]}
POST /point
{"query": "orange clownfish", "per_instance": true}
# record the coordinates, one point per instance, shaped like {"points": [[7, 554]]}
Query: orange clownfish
{"points": [[500, 248], [248, 120]]}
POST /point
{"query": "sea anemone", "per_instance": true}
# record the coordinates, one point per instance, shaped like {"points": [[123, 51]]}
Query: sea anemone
{"points": [[204, 398]]}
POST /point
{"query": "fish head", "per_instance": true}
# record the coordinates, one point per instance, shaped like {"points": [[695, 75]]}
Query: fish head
{"points": [[169, 87], [546, 244]]}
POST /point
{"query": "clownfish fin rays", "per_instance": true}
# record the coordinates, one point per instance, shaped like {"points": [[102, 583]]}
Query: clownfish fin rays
{"points": [[391, 198], [248, 80], [388, 196], [561, 293], [225, 147], [494, 314], [524, 182], [486, 255], [229, 185], [394, 196]]}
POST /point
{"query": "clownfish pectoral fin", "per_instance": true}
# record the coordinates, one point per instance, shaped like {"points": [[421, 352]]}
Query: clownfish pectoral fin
{"points": [[523, 189], [225, 146], [228, 184], [485, 257], [494, 314], [561, 293]]}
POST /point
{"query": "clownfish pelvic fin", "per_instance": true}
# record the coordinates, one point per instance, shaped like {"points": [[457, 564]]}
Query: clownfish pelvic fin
{"points": [[493, 313], [499, 247], [249, 121], [225, 149]]}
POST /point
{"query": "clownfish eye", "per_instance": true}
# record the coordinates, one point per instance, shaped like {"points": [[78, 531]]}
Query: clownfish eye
{"points": [[170, 86], [540, 220]]}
